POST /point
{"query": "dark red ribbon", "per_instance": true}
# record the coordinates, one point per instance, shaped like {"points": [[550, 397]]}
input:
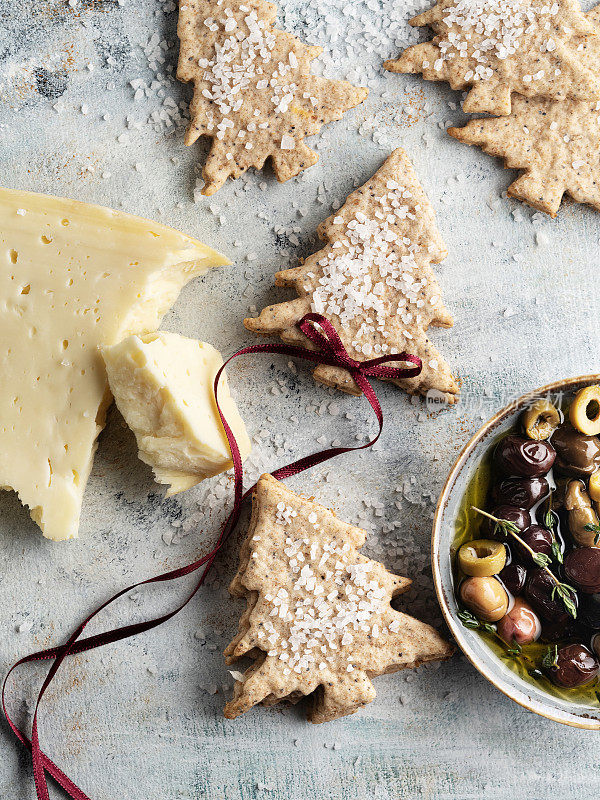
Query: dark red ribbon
{"points": [[329, 350]]}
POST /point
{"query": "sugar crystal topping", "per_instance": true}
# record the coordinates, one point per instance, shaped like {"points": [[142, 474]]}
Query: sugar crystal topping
{"points": [[254, 93], [371, 266], [243, 65], [486, 29], [331, 602]]}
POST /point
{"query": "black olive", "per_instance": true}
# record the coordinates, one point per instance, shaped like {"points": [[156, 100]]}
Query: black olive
{"points": [[522, 457], [575, 666], [513, 577], [521, 492], [589, 611], [561, 631], [538, 538], [582, 568], [576, 453], [518, 516], [539, 590]]}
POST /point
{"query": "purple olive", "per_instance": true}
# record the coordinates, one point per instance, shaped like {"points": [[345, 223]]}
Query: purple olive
{"points": [[575, 666], [560, 631], [589, 611], [576, 453], [582, 568], [539, 590], [538, 538], [513, 577], [520, 624], [521, 492], [519, 516], [525, 458]]}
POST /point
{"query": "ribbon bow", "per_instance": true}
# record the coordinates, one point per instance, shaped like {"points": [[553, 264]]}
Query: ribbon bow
{"points": [[328, 350], [329, 346]]}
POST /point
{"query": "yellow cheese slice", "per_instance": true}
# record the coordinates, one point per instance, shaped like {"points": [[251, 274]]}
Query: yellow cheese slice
{"points": [[163, 385], [73, 277]]}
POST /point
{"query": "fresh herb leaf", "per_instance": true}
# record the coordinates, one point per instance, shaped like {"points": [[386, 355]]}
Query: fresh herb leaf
{"points": [[505, 526], [549, 519], [566, 594], [515, 650], [594, 529], [556, 551], [541, 559], [550, 659], [468, 619]]}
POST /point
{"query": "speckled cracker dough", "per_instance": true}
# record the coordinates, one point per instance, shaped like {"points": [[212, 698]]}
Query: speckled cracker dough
{"points": [[318, 620], [253, 91], [538, 48], [557, 144], [373, 281]]}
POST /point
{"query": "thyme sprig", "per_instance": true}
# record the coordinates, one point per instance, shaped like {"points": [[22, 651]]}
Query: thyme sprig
{"points": [[550, 658], [556, 551], [470, 621], [515, 650], [550, 522], [563, 590]]}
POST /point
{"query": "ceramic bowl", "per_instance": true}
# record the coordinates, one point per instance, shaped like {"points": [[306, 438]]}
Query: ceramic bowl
{"points": [[528, 695]]}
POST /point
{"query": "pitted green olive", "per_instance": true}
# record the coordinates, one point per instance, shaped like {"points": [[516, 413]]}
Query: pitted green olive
{"points": [[485, 597], [594, 487], [584, 412], [581, 514], [540, 419], [482, 558]]}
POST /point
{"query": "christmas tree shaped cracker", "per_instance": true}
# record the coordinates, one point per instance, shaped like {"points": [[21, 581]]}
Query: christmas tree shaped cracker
{"points": [[318, 619], [557, 144], [373, 281], [538, 48], [253, 91]]}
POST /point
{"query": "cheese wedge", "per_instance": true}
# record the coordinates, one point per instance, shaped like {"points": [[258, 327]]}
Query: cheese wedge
{"points": [[73, 277], [163, 386]]}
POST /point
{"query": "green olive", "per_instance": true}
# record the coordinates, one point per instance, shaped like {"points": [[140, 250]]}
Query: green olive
{"points": [[594, 487], [485, 597], [581, 514], [482, 558], [584, 412], [540, 419]]}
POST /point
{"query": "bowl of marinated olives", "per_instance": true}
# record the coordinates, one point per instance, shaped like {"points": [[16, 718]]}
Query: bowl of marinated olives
{"points": [[516, 551]]}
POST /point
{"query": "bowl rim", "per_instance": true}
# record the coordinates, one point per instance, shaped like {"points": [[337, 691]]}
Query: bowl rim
{"points": [[455, 626]]}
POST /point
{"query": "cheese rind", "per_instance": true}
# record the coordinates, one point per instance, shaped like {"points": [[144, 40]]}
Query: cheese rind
{"points": [[73, 277], [163, 386]]}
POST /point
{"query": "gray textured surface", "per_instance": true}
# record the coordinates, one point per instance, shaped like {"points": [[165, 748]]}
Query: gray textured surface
{"points": [[143, 719]]}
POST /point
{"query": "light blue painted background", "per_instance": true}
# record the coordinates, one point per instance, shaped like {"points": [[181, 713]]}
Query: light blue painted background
{"points": [[143, 720]]}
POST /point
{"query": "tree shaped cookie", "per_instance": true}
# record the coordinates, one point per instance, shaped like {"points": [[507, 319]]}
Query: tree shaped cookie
{"points": [[318, 619], [373, 281], [253, 91], [538, 48], [557, 144]]}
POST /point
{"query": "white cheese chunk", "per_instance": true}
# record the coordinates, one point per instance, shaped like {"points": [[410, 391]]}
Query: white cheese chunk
{"points": [[73, 277], [163, 386]]}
